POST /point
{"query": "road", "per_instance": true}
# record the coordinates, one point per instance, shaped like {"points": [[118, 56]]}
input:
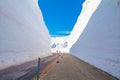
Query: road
{"points": [[72, 68], [27, 70]]}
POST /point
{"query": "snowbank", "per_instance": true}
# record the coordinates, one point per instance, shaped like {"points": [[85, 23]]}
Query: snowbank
{"points": [[23, 34], [99, 44]]}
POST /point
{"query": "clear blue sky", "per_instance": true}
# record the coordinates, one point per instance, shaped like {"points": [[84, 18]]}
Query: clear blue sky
{"points": [[60, 16]]}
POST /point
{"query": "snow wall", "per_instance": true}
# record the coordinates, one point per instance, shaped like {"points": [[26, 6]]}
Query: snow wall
{"points": [[99, 44], [23, 33]]}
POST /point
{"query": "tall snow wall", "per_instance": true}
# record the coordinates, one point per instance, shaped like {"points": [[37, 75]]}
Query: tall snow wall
{"points": [[23, 33], [99, 43]]}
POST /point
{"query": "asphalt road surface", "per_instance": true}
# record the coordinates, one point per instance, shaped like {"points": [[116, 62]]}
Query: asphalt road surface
{"points": [[72, 68]]}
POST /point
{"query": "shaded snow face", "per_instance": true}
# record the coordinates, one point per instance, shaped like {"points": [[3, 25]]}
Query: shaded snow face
{"points": [[99, 44], [23, 34]]}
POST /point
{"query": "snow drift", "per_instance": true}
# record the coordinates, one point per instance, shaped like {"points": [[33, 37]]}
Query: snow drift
{"points": [[99, 44], [23, 34]]}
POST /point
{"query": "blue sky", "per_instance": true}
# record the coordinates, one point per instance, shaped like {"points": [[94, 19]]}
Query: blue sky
{"points": [[60, 16]]}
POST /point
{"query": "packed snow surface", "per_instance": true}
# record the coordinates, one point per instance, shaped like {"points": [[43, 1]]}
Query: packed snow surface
{"points": [[23, 34], [99, 43]]}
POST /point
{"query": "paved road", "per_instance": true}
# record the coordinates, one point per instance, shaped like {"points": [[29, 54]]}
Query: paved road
{"points": [[25, 71], [72, 68]]}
